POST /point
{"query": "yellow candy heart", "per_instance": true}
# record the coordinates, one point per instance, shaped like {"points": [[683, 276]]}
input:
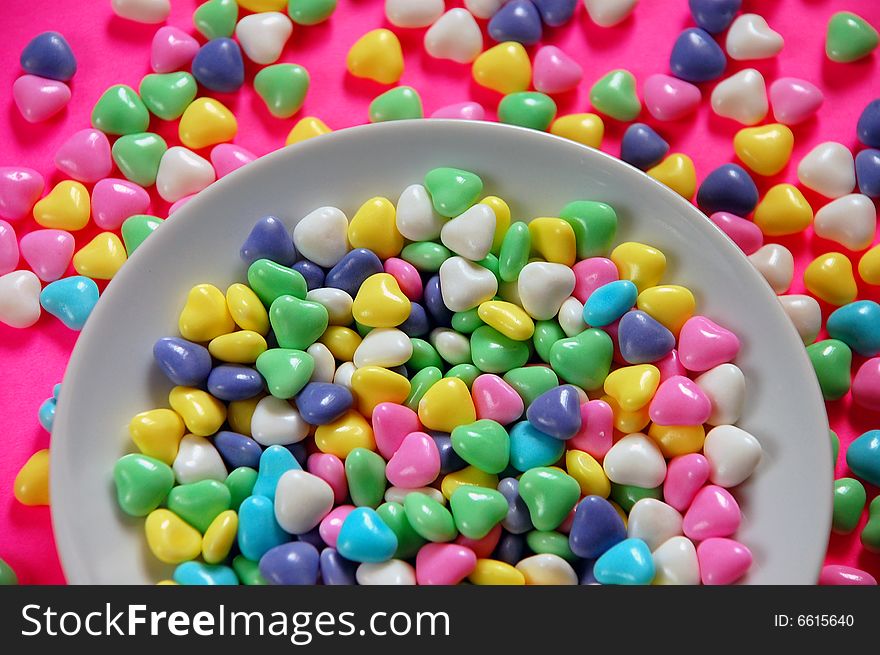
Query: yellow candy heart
{"points": [[668, 304], [783, 210], [380, 302], [589, 473], [633, 386], [446, 405], [343, 435], [628, 422], [765, 149], [205, 315], [678, 173], [869, 266], [502, 219], [377, 56], [66, 207], [240, 412], [374, 227], [587, 129], [675, 440], [504, 68], [553, 240], [219, 537], [157, 433], [341, 342], [259, 6], [246, 309], [495, 572], [206, 122], [242, 347], [100, 258], [306, 128], [170, 538], [641, 264], [510, 320], [31, 486], [830, 277], [372, 385], [201, 412], [469, 476]]}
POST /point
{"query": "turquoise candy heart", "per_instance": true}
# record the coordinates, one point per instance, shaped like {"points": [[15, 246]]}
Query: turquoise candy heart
{"points": [[858, 326], [863, 457], [197, 573], [627, 563], [364, 537], [258, 531], [530, 447], [274, 462], [71, 300], [297, 323]]}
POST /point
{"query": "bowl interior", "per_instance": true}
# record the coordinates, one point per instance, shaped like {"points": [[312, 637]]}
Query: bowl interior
{"points": [[111, 376]]}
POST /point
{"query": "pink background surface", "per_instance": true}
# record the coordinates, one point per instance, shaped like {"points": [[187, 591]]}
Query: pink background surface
{"points": [[112, 50]]}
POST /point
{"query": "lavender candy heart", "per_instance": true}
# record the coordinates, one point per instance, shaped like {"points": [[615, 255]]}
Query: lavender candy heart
{"points": [[555, 12], [269, 239], [320, 403], [729, 188], [336, 570], [294, 563], [596, 527], [313, 537], [49, 55], [868, 126], [642, 147], [714, 16], [231, 382], [417, 323], [437, 309], [450, 461], [511, 548], [517, 20], [868, 172], [218, 66], [696, 57], [237, 450], [556, 412], [518, 519], [643, 339], [185, 363], [351, 271], [313, 274]]}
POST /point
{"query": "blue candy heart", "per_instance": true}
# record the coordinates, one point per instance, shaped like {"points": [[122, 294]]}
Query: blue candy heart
{"points": [[269, 239], [556, 412], [627, 563], [642, 147], [232, 382], [71, 300], [364, 537], [609, 302], [417, 323], [237, 450], [49, 55], [518, 20], [274, 462], [294, 563], [868, 172], [555, 12], [714, 15], [696, 57], [351, 271], [197, 573], [729, 188], [450, 461], [46, 414], [185, 363], [320, 403], [868, 127], [335, 569], [511, 548], [258, 531], [642, 339], [313, 274], [863, 457], [433, 300], [596, 527], [529, 447], [858, 326], [218, 66]]}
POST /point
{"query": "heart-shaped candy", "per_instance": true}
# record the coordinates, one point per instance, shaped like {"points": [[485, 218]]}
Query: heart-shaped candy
{"points": [[377, 56], [722, 561], [456, 36], [676, 563], [365, 537], [696, 57], [765, 149], [66, 207], [39, 98], [714, 512], [70, 299], [680, 401], [728, 188], [216, 18], [703, 344], [850, 220], [805, 314], [172, 49], [743, 232], [750, 37], [642, 147], [47, 252], [85, 156], [49, 55], [553, 71], [733, 455], [725, 386], [849, 37], [415, 13], [20, 188], [776, 263], [626, 563], [228, 157], [828, 169], [685, 476], [101, 258], [181, 173], [415, 463], [714, 16], [470, 111], [868, 172], [142, 11], [169, 94], [262, 36], [8, 248], [504, 68], [783, 210], [608, 13], [115, 200], [19, 299], [668, 98], [741, 97], [517, 20], [794, 100], [866, 385], [635, 460], [653, 521]]}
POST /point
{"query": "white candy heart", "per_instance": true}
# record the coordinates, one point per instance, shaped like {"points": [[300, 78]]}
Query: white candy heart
{"points": [[733, 455], [385, 347], [805, 314], [571, 317], [850, 221], [608, 13], [198, 460], [653, 521], [676, 563], [635, 460], [393, 572], [301, 501], [275, 422], [543, 287], [464, 284], [20, 299], [455, 36], [776, 263], [182, 173], [325, 364], [337, 303], [452, 346], [484, 9], [828, 169], [322, 236], [344, 373], [142, 11], [413, 13], [547, 569], [262, 36], [471, 233], [742, 97], [416, 218], [750, 37], [399, 494], [725, 386]]}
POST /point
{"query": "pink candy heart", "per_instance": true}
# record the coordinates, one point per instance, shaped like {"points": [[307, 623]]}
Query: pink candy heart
{"points": [[679, 401], [114, 200], [444, 564], [416, 463], [836, 574], [332, 471], [670, 366], [180, 203], [794, 100], [8, 248], [685, 476], [495, 399], [667, 98], [866, 385], [483, 548], [592, 273], [553, 71], [597, 429], [741, 231], [172, 50], [713, 513], [38, 98], [469, 111], [332, 523], [408, 278], [20, 188], [722, 561], [85, 156], [228, 157], [47, 252], [391, 424], [703, 344]]}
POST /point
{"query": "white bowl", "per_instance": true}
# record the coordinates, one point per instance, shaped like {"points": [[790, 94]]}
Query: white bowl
{"points": [[111, 375]]}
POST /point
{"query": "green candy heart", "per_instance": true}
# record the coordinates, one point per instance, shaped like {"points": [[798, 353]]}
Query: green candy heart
{"points": [[240, 483], [467, 373], [429, 518], [286, 371], [399, 103], [849, 37], [627, 495], [423, 356], [546, 334], [849, 501], [835, 447], [477, 510], [531, 381], [426, 256], [142, 483], [7, 575], [365, 473], [452, 190], [199, 503], [491, 264], [584, 360], [297, 323], [408, 540], [614, 94], [494, 352], [551, 542], [138, 156], [514, 253], [135, 229], [871, 532], [216, 18], [831, 360], [310, 12], [594, 224], [362, 329], [467, 322], [248, 571], [270, 280], [120, 111], [549, 494], [283, 87], [483, 444], [167, 95], [419, 385], [527, 109]]}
